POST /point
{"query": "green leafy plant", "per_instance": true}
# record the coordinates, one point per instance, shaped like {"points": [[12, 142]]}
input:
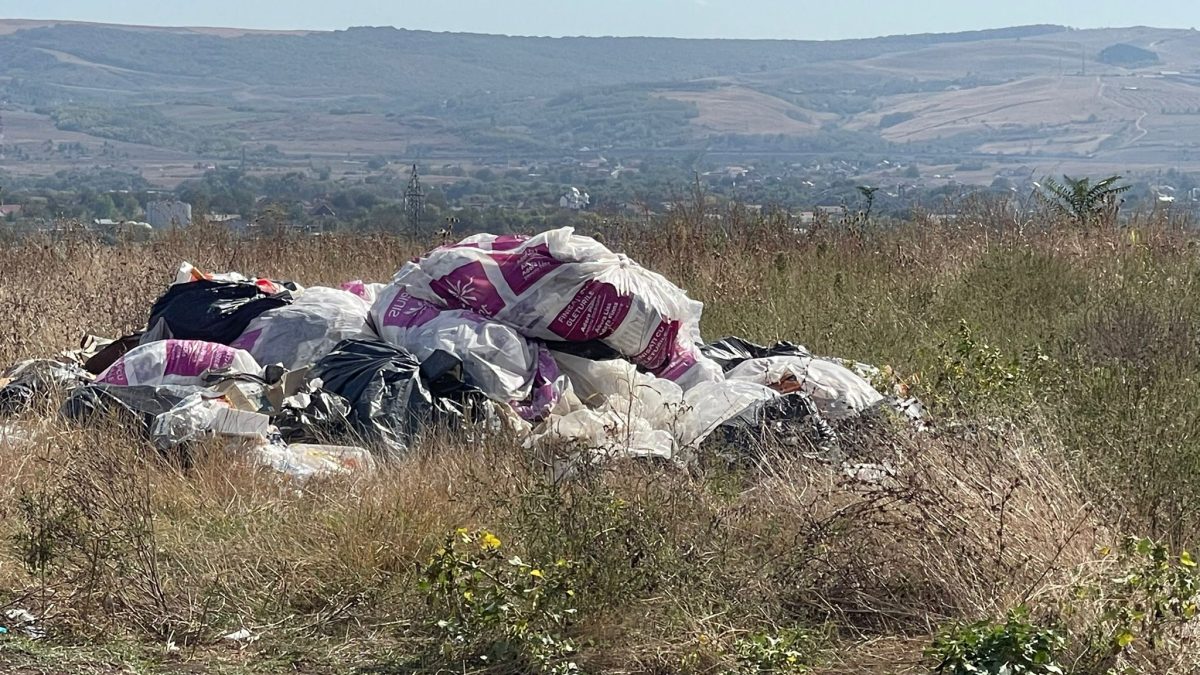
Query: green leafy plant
{"points": [[496, 609], [970, 370], [1015, 646], [784, 652], [1081, 200], [1153, 596]]}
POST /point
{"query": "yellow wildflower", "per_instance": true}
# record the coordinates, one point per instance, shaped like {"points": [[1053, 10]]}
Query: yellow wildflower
{"points": [[489, 541]]}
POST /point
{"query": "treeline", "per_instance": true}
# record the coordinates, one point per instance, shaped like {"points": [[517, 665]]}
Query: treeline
{"points": [[144, 124]]}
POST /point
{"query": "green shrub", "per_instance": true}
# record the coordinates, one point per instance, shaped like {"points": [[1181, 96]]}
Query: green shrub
{"points": [[496, 610], [1012, 646]]}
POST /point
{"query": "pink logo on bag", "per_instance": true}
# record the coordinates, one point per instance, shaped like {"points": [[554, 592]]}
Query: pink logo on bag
{"points": [[657, 352], [407, 311], [115, 374], [681, 361], [356, 287], [190, 358], [595, 312], [522, 270], [508, 242], [548, 387], [468, 287]]}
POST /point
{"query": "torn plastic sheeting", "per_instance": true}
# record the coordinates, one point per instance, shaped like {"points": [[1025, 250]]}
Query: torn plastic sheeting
{"points": [[12, 435], [201, 416], [838, 391], [626, 405], [393, 397], [26, 621], [729, 352], [28, 381], [656, 424], [188, 273], [177, 362], [213, 311], [790, 420], [299, 334], [496, 358], [94, 403], [709, 405], [561, 286], [606, 434], [629, 413]]}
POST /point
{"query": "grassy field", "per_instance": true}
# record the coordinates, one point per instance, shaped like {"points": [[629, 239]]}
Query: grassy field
{"points": [[1059, 367]]}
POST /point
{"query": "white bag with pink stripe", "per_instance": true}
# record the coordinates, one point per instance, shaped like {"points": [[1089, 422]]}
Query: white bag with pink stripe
{"points": [[559, 286]]}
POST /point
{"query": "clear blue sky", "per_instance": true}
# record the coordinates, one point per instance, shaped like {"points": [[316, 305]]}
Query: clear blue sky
{"points": [[805, 19]]}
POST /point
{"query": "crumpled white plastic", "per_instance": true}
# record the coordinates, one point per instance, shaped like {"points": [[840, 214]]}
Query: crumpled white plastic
{"points": [[504, 364], [299, 334], [838, 391], [635, 414]]}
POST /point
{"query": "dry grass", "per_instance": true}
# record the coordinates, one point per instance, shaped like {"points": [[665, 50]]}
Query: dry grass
{"points": [[138, 561]]}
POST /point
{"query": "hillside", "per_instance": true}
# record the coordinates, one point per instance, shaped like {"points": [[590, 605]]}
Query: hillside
{"points": [[165, 99]]}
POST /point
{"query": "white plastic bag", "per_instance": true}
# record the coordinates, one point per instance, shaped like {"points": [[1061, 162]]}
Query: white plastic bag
{"points": [[838, 391], [710, 404], [630, 414], [617, 385], [299, 334], [177, 362], [607, 435], [560, 286], [497, 359]]}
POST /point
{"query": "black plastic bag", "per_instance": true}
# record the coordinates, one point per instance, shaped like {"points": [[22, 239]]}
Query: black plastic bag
{"points": [[594, 350], [731, 351], [36, 379], [392, 397], [790, 421], [136, 406], [213, 311], [323, 417]]}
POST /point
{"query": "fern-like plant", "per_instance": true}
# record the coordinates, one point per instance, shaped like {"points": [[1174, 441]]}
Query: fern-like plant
{"points": [[1082, 201]]}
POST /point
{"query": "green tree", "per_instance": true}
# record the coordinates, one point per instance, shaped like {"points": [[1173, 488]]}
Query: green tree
{"points": [[102, 206]]}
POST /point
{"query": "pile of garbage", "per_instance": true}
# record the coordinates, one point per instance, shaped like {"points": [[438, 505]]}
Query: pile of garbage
{"points": [[553, 338]]}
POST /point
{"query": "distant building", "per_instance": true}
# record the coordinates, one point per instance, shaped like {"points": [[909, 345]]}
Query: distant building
{"points": [[173, 213], [7, 210], [231, 220], [322, 209], [575, 200]]}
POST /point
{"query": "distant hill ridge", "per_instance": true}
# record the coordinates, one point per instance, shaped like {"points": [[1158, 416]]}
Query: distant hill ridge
{"points": [[397, 63], [1122, 96]]}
